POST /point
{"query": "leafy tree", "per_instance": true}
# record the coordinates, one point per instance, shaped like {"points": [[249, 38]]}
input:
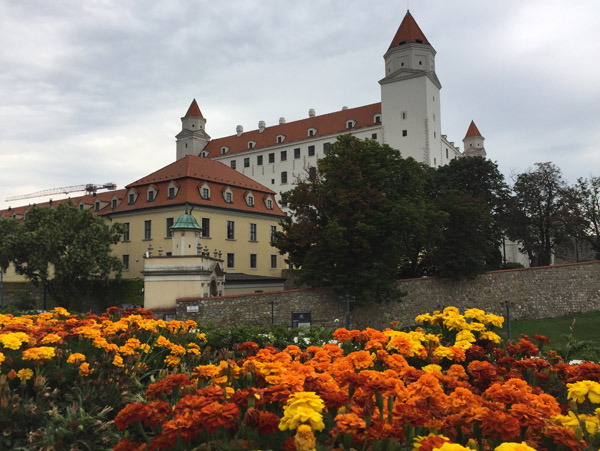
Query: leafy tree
{"points": [[8, 233], [63, 249], [472, 192], [584, 199], [358, 220], [538, 215]]}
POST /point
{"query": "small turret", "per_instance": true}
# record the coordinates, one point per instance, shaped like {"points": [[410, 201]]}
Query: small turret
{"points": [[473, 142], [193, 138]]}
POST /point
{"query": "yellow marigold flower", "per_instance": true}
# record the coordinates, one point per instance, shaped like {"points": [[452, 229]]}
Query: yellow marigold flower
{"points": [[514, 447], [455, 322], [60, 311], [306, 398], [2, 358], [424, 318], [39, 354], [465, 335], [76, 358], [51, 338], [172, 360], [494, 320], [443, 352], [13, 340], [432, 338], [432, 368], [292, 418], [578, 391], [490, 336], [177, 349], [305, 439], [25, 374], [452, 447], [477, 327], [417, 444], [163, 342], [84, 369], [464, 345], [118, 361], [201, 337], [475, 313], [572, 421]]}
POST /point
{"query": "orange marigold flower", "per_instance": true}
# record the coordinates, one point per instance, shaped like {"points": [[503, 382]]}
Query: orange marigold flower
{"points": [[215, 415], [564, 436], [350, 422], [76, 358], [11, 374], [25, 374], [131, 412], [429, 442], [305, 439], [342, 335], [126, 444], [166, 385], [84, 369], [118, 361], [39, 354], [172, 360], [51, 338]]}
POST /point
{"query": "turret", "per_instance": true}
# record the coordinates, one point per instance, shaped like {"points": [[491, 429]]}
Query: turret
{"points": [[193, 138], [473, 142], [185, 235]]}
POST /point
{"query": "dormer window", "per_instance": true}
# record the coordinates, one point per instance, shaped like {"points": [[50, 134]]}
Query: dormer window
{"points": [[113, 203], [228, 195], [250, 200], [224, 149], [131, 199], [269, 203], [204, 154], [280, 138], [251, 144], [205, 192], [350, 124], [171, 192], [312, 131], [151, 194], [97, 205], [377, 118]]}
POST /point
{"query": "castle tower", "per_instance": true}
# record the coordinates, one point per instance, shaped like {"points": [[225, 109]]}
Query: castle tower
{"points": [[473, 142], [193, 138], [410, 95]]}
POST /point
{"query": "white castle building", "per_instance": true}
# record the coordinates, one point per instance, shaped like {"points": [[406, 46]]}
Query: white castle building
{"points": [[407, 118]]}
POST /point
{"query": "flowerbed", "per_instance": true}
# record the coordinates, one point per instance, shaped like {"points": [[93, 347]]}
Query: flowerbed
{"points": [[134, 382]]}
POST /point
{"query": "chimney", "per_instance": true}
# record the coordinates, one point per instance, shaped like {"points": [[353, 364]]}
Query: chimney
{"points": [[281, 120], [239, 130], [344, 108], [261, 126], [311, 112]]}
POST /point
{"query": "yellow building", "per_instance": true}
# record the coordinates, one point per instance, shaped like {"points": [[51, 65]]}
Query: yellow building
{"points": [[237, 215]]}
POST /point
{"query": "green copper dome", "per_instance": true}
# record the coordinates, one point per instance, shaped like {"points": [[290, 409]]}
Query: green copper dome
{"points": [[186, 221]]}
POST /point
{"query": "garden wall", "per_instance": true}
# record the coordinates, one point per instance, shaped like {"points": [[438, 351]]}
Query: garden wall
{"points": [[534, 292]]}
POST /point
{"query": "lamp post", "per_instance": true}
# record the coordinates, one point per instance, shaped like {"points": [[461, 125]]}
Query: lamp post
{"points": [[507, 305], [347, 299]]}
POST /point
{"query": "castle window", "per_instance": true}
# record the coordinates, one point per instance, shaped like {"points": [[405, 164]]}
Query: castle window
{"points": [[228, 198], [280, 138], [273, 230], [205, 193], [150, 196], [446, 153], [259, 160], [312, 172], [230, 230], [297, 153], [247, 162], [325, 147], [311, 151], [204, 154], [250, 200], [230, 260], [350, 124], [272, 158], [252, 232], [171, 192], [253, 261], [284, 177], [377, 118], [114, 203], [125, 262], [148, 230], [205, 228], [420, 63], [251, 144], [168, 225], [224, 149], [273, 261], [404, 115], [126, 231], [404, 132], [283, 155], [269, 204], [312, 131], [232, 164], [97, 206], [374, 136]]}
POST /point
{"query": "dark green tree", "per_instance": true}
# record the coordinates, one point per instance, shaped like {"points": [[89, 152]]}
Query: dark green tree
{"points": [[473, 193], [538, 215], [357, 221], [64, 250], [584, 202], [8, 240]]}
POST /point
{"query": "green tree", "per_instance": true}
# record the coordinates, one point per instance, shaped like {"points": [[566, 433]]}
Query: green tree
{"points": [[584, 199], [538, 216], [8, 240], [358, 220], [473, 193], [63, 249]]}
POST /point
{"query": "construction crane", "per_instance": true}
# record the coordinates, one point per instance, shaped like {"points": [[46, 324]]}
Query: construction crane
{"points": [[90, 188]]}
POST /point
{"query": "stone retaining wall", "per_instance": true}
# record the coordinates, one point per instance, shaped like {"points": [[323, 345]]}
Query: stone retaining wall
{"points": [[534, 292]]}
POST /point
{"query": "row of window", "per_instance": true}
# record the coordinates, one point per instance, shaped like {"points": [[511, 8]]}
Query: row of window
{"points": [[283, 156], [205, 232], [230, 261]]}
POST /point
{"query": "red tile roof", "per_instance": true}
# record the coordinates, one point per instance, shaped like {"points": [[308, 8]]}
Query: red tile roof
{"points": [[189, 174], [194, 110], [325, 124], [408, 31], [472, 131]]}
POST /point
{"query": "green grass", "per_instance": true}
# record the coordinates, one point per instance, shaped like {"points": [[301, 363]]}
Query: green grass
{"points": [[585, 342]]}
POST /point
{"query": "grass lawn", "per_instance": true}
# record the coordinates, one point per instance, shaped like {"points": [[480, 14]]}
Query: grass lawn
{"points": [[586, 329]]}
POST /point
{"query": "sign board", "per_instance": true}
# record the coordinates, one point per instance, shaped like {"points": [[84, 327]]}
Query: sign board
{"points": [[192, 309], [301, 320]]}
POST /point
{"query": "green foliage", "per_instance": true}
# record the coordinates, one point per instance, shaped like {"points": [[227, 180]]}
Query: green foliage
{"points": [[584, 198], [358, 220], [64, 249], [538, 216]]}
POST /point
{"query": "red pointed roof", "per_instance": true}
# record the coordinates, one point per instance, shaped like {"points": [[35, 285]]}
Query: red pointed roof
{"points": [[472, 131], [194, 110], [409, 31]]}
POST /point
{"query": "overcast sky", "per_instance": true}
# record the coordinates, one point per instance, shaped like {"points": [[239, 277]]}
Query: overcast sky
{"points": [[93, 91]]}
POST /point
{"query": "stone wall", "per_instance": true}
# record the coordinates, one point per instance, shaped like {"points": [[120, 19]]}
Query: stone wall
{"points": [[534, 292]]}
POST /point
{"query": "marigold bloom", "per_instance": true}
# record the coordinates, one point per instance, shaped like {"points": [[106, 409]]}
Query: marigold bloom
{"points": [[215, 415], [25, 374], [579, 390], [13, 340], [172, 360], [51, 338], [39, 354], [429, 442], [2, 358], [432, 368], [292, 418], [475, 313], [452, 447], [76, 358], [84, 369], [118, 361], [305, 439], [511, 446]]}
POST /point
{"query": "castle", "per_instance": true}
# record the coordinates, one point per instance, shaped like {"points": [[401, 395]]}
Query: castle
{"points": [[407, 118]]}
